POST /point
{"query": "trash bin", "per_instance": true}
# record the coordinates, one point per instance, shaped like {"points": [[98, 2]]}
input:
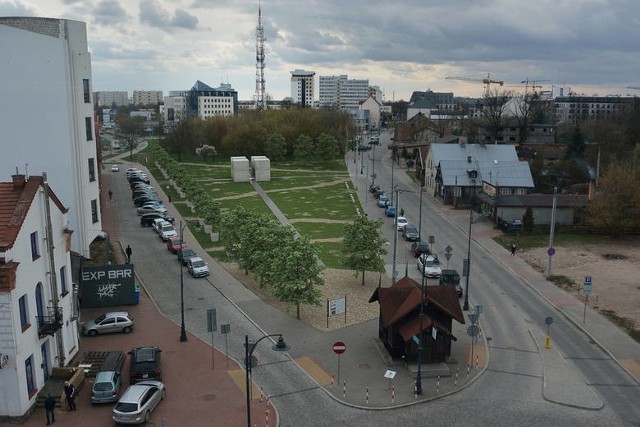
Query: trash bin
{"points": [[137, 291]]}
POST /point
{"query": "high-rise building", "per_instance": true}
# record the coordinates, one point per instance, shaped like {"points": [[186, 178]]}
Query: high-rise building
{"points": [[342, 93], [47, 117], [111, 98], [147, 97], [201, 101], [302, 84]]}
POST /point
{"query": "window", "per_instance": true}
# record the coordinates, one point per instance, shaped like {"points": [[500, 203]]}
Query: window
{"points": [[88, 124], [28, 370], [24, 312], [35, 251], [94, 211], [63, 280], [85, 89], [92, 170]]}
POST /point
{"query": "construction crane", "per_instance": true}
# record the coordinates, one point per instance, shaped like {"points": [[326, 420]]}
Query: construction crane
{"points": [[486, 81], [533, 84]]}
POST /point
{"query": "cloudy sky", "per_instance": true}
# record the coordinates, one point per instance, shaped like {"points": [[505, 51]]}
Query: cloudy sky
{"points": [[592, 46]]}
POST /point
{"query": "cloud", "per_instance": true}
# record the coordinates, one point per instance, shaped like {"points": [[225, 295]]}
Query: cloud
{"points": [[16, 8], [151, 13], [109, 12]]}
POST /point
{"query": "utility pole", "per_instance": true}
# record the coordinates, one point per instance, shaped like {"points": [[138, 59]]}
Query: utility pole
{"points": [[395, 238], [550, 250]]}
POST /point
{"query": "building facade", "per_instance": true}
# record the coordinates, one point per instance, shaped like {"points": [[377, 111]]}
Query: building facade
{"points": [[111, 98], [50, 56], [147, 97], [302, 87], [342, 93], [201, 101], [38, 310], [576, 109]]}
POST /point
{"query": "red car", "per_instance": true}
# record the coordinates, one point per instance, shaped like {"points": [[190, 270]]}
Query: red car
{"points": [[174, 244]]}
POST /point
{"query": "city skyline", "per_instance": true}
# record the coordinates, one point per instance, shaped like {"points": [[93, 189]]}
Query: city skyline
{"points": [[587, 45]]}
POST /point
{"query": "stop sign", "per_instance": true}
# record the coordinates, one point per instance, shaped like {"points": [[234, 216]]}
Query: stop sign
{"points": [[339, 347]]}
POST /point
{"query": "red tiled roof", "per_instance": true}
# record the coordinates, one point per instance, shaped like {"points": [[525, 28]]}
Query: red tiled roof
{"points": [[15, 201]]}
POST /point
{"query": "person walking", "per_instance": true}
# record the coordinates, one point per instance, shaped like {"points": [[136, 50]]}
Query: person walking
{"points": [[110, 194], [128, 251], [49, 407], [70, 393], [514, 248]]}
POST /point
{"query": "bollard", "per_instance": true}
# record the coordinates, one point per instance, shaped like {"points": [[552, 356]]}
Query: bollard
{"points": [[333, 379], [457, 373], [261, 394], [415, 389], [477, 358], [438, 384], [344, 389], [467, 370], [393, 394], [366, 398]]}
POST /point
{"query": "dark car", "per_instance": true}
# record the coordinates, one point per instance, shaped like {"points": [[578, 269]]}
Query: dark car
{"points": [[411, 233], [145, 364], [137, 178], [451, 277], [364, 147], [373, 188], [378, 193], [145, 199], [146, 220], [185, 254], [419, 248]]}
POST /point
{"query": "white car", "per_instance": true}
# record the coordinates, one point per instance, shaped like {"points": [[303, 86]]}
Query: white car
{"points": [[158, 223], [137, 402], [115, 168], [429, 265], [166, 231], [197, 267], [151, 208], [401, 222]]}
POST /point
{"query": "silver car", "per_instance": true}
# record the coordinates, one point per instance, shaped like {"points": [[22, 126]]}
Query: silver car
{"points": [[115, 321], [137, 402], [105, 387]]}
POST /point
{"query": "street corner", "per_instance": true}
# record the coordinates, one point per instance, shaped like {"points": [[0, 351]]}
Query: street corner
{"points": [[315, 371]]}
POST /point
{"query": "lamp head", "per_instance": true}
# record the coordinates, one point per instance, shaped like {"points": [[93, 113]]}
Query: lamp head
{"points": [[280, 345]]}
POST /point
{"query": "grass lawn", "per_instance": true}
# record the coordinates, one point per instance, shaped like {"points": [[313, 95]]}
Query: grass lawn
{"points": [[526, 241]]}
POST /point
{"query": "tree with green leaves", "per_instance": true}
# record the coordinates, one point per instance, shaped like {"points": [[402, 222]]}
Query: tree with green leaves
{"points": [[296, 273], [528, 220], [303, 149], [275, 147], [615, 208], [364, 246], [327, 147]]}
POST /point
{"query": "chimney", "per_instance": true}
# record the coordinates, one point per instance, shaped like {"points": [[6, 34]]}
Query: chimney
{"points": [[19, 181]]}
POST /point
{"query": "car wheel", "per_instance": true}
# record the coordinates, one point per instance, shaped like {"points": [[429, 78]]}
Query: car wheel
{"points": [[127, 329], [92, 333], [162, 395], [147, 417]]}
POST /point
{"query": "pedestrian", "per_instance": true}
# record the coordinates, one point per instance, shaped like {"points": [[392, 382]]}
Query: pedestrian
{"points": [[110, 194], [514, 248], [128, 252], [402, 212], [49, 406], [70, 393]]}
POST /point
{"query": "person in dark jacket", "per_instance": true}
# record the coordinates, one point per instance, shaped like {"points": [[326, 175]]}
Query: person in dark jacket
{"points": [[49, 407], [70, 393], [128, 251]]}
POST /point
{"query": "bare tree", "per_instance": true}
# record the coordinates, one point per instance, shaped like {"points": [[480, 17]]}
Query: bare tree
{"points": [[130, 130], [494, 111]]}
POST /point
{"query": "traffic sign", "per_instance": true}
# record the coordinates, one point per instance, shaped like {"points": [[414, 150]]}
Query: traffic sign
{"points": [[548, 320], [551, 251], [339, 347], [587, 279]]}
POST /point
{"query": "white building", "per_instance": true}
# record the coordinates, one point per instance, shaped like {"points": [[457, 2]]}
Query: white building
{"points": [[302, 84], [201, 101], [46, 58], [38, 314], [111, 98], [341, 92], [147, 97]]}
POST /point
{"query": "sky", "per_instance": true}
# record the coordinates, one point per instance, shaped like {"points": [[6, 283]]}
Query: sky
{"points": [[402, 46]]}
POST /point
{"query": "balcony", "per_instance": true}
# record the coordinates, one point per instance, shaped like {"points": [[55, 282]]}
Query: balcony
{"points": [[48, 325]]}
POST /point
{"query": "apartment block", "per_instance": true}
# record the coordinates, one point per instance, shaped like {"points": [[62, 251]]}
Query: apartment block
{"points": [[147, 97], [111, 98], [302, 87]]}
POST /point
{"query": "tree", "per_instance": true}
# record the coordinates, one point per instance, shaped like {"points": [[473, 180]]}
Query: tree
{"points": [[615, 208], [364, 246], [575, 145], [130, 130], [528, 220], [303, 150], [206, 151], [494, 111], [274, 147], [327, 147], [296, 273]]}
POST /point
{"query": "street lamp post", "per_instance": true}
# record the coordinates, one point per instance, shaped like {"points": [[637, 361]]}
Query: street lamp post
{"points": [[395, 235], [422, 296], [465, 306], [183, 331], [280, 345]]}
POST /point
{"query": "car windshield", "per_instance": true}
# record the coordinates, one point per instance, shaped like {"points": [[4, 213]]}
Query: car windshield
{"points": [[126, 407], [105, 386], [199, 264], [100, 318], [167, 228]]}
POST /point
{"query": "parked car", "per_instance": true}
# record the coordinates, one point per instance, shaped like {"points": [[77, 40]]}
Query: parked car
{"points": [[114, 321], [137, 402], [390, 211], [197, 267], [383, 201], [174, 244], [151, 208], [184, 254], [419, 248], [167, 231], [373, 188], [451, 277], [157, 224], [148, 219], [139, 178], [411, 233], [133, 171], [429, 265], [401, 222], [145, 199], [106, 384], [115, 168], [363, 147], [378, 192], [145, 364]]}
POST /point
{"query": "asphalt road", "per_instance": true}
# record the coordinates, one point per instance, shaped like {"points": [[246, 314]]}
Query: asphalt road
{"points": [[509, 393]]}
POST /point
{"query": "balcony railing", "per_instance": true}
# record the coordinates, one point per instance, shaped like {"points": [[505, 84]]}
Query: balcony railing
{"points": [[49, 324]]}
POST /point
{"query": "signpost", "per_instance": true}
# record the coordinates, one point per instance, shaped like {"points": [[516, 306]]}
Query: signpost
{"points": [[548, 320], [212, 326], [338, 348], [225, 329], [586, 291], [447, 254]]}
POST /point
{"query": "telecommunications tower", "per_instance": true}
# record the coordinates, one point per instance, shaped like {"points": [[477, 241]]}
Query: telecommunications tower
{"points": [[261, 100]]}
